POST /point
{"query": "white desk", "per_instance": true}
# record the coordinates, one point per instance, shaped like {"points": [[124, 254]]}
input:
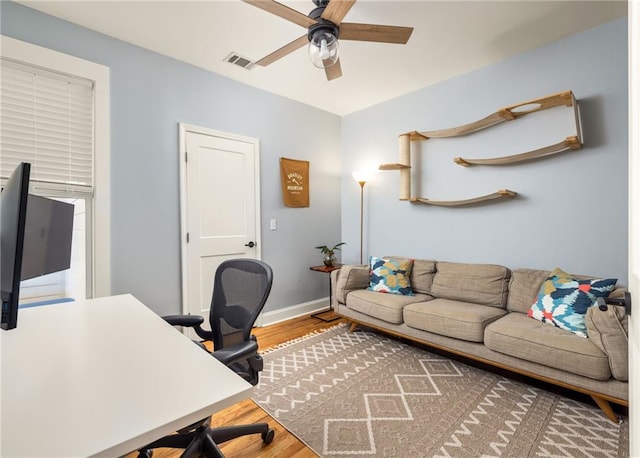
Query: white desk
{"points": [[103, 377]]}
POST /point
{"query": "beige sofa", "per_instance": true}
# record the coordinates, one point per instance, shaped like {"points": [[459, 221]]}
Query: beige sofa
{"points": [[480, 311]]}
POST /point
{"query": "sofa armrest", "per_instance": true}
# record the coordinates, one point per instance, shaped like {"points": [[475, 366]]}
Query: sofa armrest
{"points": [[349, 278], [607, 327]]}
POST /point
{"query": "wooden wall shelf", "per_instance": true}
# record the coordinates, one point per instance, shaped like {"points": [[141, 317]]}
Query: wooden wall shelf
{"points": [[510, 113], [570, 143], [502, 193], [393, 167]]}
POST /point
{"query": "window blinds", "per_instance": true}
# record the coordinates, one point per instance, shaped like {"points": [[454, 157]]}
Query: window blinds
{"points": [[47, 119]]}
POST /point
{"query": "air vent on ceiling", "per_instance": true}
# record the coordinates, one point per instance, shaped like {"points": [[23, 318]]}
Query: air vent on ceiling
{"points": [[236, 59]]}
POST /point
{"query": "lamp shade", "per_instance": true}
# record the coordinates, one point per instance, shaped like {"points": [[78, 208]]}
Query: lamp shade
{"points": [[362, 176], [323, 49]]}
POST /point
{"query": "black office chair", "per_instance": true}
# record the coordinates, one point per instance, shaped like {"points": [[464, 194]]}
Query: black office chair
{"points": [[240, 289]]}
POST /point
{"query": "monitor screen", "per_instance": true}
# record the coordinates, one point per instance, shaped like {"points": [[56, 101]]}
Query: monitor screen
{"points": [[47, 238]]}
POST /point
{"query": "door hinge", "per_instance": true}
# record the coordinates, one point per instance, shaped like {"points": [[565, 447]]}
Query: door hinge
{"points": [[185, 156], [187, 237]]}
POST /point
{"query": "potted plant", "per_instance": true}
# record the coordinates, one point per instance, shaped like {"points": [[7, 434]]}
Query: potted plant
{"points": [[329, 259]]}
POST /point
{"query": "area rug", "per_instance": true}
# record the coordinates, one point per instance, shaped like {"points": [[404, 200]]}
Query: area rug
{"points": [[366, 394]]}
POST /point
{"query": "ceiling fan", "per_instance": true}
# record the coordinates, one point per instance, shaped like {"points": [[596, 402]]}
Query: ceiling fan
{"points": [[324, 27]]}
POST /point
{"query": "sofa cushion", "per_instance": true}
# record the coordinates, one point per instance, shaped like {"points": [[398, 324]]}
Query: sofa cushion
{"points": [[461, 320], [485, 284], [563, 300], [386, 307], [422, 275], [608, 328], [390, 276], [523, 288], [517, 335], [350, 277]]}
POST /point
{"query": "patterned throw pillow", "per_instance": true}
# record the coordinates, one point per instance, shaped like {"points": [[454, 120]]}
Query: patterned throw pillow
{"points": [[563, 300], [390, 276]]}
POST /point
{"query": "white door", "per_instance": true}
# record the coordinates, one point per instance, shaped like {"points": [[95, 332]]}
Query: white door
{"points": [[220, 208]]}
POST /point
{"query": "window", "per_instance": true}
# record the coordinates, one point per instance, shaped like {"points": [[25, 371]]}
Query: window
{"points": [[55, 114], [47, 120]]}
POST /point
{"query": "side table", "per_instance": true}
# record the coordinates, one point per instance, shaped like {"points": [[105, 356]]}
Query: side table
{"points": [[327, 270]]}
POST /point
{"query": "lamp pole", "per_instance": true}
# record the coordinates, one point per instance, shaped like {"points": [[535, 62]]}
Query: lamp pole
{"points": [[362, 177], [361, 183]]}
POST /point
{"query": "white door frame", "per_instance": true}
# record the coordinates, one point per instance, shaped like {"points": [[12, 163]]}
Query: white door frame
{"points": [[634, 227], [184, 129]]}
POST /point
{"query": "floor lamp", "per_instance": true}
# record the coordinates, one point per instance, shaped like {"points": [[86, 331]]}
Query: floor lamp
{"points": [[361, 177]]}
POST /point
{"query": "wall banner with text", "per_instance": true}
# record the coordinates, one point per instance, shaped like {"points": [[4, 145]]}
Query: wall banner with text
{"points": [[295, 182]]}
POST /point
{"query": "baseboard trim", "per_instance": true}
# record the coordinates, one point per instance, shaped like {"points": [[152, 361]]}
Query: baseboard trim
{"points": [[293, 311]]}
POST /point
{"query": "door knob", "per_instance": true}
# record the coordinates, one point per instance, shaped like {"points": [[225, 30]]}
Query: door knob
{"points": [[250, 244]]}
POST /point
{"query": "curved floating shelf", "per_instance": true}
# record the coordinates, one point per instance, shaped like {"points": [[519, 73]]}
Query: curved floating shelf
{"points": [[491, 120], [570, 143], [502, 193], [504, 114]]}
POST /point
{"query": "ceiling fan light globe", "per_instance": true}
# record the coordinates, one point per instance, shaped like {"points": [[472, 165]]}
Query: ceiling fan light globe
{"points": [[323, 50]]}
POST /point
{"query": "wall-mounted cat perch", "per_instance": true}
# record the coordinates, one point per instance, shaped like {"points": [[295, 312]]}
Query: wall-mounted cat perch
{"points": [[475, 200], [572, 142]]}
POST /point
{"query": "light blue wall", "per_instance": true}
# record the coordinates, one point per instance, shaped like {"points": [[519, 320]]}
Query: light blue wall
{"points": [[150, 95], [571, 211]]}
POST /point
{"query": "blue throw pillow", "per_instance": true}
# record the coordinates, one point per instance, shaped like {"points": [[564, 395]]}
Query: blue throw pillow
{"points": [[390, 276], [563, 300]]}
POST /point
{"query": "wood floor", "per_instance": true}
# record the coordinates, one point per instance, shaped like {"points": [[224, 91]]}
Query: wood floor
{"points": [[284, 444]]}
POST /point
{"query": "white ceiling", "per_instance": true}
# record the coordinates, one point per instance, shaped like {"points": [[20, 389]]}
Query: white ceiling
{"points": [[449, 38]]}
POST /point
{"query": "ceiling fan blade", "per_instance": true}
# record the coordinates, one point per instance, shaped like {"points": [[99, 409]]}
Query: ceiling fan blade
{"points": [[336, 10], [282, 11], [373, 32], [286, 49], [334, 71]]}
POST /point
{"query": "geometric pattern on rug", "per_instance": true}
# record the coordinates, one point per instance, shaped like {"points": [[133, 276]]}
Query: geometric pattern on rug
{"points": [[362, 393], [340, 434]]}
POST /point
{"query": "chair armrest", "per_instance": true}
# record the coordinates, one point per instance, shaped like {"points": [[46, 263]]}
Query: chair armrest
{"points": [[189, 321], [350, 278], [607, 329], [238, 352]]}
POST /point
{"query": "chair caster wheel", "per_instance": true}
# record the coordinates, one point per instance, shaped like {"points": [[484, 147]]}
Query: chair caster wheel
{"points": [[145, 453], [267, 437]]}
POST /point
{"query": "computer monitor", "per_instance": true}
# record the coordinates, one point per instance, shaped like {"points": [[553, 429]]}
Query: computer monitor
{"points": [[13, 211], [47, 237], [36, 239]]}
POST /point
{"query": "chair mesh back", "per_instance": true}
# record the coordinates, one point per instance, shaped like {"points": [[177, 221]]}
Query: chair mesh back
{"points": [[240, 290]]}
